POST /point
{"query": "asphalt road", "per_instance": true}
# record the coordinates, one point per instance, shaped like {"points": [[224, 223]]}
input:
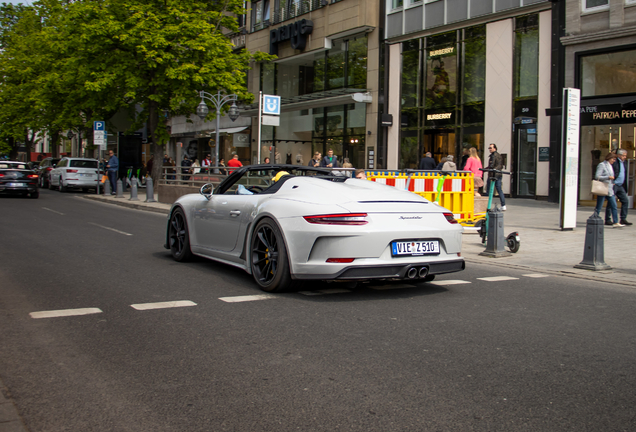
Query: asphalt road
{"points": [[517, 354]]}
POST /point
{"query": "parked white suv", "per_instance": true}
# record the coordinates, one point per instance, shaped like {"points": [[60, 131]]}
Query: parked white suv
{"points": [[74, 173]]}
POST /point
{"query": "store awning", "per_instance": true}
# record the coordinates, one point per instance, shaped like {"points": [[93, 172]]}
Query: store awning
{"points": [[230, 130]]}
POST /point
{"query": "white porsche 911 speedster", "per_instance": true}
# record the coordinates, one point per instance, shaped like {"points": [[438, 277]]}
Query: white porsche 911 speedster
{"points": [[285, 224]]}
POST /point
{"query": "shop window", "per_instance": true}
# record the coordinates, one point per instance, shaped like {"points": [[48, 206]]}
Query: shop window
{"points": [[411, 73], [594, 5], [608, 73], [268, 78], [334, 75], [441, 71], [357, 63], [474, 65]]}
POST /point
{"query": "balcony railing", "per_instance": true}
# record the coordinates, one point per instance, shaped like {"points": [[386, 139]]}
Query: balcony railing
{"points": [[296, 8]]}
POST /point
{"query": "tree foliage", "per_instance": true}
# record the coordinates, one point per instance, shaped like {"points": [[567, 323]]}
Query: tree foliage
{"points": [[86, 60]]}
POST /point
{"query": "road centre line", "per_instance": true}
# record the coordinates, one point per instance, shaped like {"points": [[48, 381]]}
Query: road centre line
{"points": [[163, 305], [498, 278], [64, 313], [109, 228], [51, 210], [536, 275], [450, 282], [237, 299]]}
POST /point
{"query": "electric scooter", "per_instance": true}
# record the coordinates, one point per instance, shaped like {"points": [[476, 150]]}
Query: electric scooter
{"points": [[513, 241]]}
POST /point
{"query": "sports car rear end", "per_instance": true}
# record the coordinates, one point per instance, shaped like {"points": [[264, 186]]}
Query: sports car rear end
{"points": [[17, 179]]}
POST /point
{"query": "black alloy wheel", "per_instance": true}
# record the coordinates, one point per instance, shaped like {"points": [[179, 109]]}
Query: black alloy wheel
{"points": [[178, 237], [60, 185], [34, 195], [50, 185], [268, 258]]}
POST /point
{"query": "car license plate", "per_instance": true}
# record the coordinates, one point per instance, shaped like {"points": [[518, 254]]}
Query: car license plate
{"points": [[415, 248], [88, 175], [17, 184]]}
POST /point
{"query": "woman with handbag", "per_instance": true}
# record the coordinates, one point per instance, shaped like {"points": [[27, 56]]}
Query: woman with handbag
{"points": [[605, 175], [473, 163]]}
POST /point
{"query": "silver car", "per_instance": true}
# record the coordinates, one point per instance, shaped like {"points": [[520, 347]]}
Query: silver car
{"points": [[285, 224], [73, 172]]}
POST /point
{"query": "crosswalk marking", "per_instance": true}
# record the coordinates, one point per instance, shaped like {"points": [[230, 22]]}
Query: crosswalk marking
{"points": [[163, 305], [450, 282], [497, 278], [536, 275], [325, 291], [237, 299], [64, 313]]}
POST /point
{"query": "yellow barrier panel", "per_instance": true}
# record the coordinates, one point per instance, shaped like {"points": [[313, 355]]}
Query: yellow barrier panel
{"points": [[457, 194]]}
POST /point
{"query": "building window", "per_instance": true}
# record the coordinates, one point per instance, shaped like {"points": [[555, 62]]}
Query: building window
{"points": [[594, 5], [242, 19], [260, 14], [288, 9], [608, 73], [395, 4]]}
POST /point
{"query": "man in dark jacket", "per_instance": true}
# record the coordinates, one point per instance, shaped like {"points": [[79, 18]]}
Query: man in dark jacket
{"points": [[620, 180], [427, 162], [495, 161]]}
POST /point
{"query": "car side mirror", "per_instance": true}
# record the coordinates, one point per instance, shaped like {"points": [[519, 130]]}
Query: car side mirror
{"points": [[207, 190]]}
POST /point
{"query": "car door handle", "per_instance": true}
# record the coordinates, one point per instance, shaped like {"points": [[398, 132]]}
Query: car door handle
{"points": [[235, 212]]}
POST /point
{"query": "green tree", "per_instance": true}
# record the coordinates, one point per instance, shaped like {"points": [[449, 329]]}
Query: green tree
{"points": [[157, 54]]}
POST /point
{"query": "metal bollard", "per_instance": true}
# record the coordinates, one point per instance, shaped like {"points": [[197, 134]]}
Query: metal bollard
{"points": [[123, 185], [120, 192], [107, 190], [593, 254], [150, 192], [495, 245], [133, 190]]}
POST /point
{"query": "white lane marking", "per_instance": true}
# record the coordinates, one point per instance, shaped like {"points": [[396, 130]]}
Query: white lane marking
{"points": [[391, 287], [163, 305], [497, 278], [64, 313], [536, 275], [45, 208], [246, 298], [450, 282], [109, 228], [325, 291]]}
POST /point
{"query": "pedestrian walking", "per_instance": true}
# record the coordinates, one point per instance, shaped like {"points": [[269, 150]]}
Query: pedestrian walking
{"points": [[495, 161], [186, 165], [605, 174], [473, 164], [427, 162], [619, 188], [113, 167], [449, 165]]}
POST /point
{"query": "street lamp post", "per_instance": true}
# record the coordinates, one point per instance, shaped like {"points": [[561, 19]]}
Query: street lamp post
{"points": [[218, 101]]}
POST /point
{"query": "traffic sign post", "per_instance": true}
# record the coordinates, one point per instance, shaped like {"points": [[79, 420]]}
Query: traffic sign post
{"points": [[268, 115], [100, 138]]}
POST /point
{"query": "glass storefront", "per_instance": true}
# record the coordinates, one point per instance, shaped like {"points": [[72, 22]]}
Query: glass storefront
{"points": [[340, 70], [608, 73], [443, 93]]}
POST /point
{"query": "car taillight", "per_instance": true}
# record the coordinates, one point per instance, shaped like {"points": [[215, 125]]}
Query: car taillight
{"points": [[32, 176], [71, 171], [338, 219], [1, 175], [49, 168], [450, 218]]}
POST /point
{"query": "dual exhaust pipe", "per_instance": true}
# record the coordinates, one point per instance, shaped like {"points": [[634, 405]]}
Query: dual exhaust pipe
{"points": [[414, 272]]}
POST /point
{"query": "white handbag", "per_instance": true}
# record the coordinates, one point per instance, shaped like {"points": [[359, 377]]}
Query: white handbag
{"points": [[599, 188]]}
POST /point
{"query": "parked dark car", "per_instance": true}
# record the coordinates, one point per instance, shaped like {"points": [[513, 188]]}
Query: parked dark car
{"points": [[44, 170], [16, 178]]}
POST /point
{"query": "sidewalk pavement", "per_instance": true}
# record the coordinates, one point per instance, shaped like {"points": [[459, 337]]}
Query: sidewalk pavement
{"points": [[10, 421], [544, 247]]}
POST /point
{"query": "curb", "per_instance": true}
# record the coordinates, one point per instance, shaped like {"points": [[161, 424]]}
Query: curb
{"points": [[126, 203]]}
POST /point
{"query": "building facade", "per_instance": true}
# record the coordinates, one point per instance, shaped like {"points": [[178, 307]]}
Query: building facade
{"points": [[326, 73], [467, 73], [600, 51]]}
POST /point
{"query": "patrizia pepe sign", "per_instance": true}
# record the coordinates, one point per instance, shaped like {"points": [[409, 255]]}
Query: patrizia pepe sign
{"points": [[606, 114], [296, 32]]}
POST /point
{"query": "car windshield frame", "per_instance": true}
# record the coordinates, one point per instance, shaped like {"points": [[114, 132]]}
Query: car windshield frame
{"points": [[73, 163], [261, 176]]}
